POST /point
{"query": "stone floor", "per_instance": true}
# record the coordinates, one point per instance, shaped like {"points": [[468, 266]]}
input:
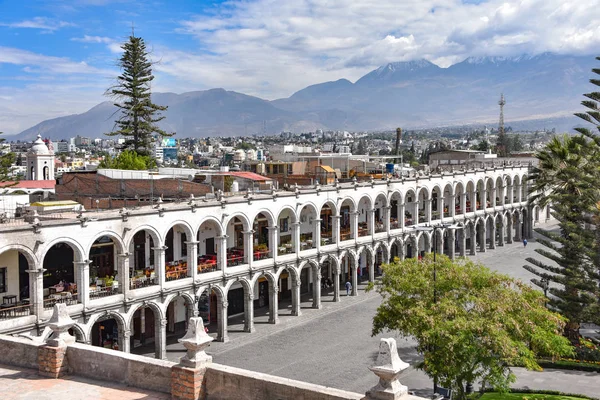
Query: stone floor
{"points": [[20, 383]]}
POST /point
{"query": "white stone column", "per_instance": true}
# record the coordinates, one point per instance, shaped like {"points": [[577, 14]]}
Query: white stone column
{"points": [[462, 242], [336, 228], [296, 237], [125, 341], [316, 287], [483, 238], [416, 213], [519, 228], [501, 235], [493, 236], [222, 335], [296, 298], [371, 260], [473, 241], [452, 206], [371, 221], [83, 284], [354, 271], [249, 311], [36, 290], [493, 198], [317, 239], [451, 243], [401, 215], [428, 211], [463, 203], [509, 229], [123, 271], [273, 245], [386, 218], [192, 258], [160, 265], [519, 194], [249, 247], [222, 252], [160, 344], [273, 303], [354, 224], [440, 207], [336, 285], [484, 198]]}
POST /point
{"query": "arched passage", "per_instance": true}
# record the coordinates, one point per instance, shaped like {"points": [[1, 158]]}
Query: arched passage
{"points": [[108, 331], [61, 279], [347, 217], [262, 246], [308, 227], [237, 247], [381, 213], [396, 207], [289, 292], [104, 276], [148, 330], [212, 307], [146, 258], [178, 312], [209, 259], [326, 215], [310, 285], [286, 243], [365, 216], [18, 293], [176, 252]]}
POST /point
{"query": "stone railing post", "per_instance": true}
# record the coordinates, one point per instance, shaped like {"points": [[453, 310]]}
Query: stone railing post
{"points": [[187, 377], [52, 360], [387, 368]]}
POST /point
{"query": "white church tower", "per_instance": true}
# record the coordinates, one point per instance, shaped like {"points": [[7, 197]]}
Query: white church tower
{"points": [[40, 162]]}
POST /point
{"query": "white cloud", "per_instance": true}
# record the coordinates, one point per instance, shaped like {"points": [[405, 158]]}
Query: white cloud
{"points": [[93, 39], [34, 62], [42, 23]]}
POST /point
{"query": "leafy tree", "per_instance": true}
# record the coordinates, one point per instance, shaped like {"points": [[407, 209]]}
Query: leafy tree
{"points": [[130, 160], [137, 122], [470, 323], [483, 145], [361, 148], [515, 144], [502, 144], [19, 161], [6, 161]]}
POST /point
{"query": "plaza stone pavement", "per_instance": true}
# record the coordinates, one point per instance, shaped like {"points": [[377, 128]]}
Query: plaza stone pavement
{"points": [[333, 346], [20, 383]]}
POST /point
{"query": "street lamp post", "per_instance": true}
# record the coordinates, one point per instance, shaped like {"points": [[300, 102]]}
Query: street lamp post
{"points": [[434, 229]]}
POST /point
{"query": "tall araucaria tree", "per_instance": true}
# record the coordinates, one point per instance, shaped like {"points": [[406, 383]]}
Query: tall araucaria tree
{"points": [[567, 178], [132, 93]]}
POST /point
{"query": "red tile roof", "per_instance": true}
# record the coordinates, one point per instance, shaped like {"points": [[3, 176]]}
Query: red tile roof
{"points": [[30, 184]]}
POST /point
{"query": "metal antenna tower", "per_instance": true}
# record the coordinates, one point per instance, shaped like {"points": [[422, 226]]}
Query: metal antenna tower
{"points": [[501, 103]]}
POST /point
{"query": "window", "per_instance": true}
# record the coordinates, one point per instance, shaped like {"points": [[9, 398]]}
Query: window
{"points": [[3, 287]]}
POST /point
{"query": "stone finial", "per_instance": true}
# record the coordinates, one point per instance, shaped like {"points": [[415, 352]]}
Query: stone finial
{"points": [[388, 366], [196, 340], [60, 323]]}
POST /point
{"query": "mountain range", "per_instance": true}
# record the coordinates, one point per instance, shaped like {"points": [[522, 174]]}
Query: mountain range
{"points": [[410, 94]]}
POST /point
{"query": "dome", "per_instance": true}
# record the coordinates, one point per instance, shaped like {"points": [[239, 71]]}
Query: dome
{"points": [[39, 147]]}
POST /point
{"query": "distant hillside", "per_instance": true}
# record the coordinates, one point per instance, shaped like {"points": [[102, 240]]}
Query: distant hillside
{"points": [[410, 94]]}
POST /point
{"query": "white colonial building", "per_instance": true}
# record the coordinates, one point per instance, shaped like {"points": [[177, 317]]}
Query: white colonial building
{"points": [[40, 162], [135, 275]]}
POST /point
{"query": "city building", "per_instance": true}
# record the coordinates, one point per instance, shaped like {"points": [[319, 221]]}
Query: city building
{"points": [[40, 162]]}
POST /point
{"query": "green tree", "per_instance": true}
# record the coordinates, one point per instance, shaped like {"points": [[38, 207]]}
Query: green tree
{"points": [[132, 93], [567, 177], [361, 148], [6, 162], [130, 160], [469, 323]]}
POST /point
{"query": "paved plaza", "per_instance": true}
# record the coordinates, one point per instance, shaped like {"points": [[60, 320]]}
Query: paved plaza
{"points": [[333, 346]]}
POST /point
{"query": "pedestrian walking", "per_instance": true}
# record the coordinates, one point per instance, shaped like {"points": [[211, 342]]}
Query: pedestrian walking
{"points": [[348, 288], [524, 242]]}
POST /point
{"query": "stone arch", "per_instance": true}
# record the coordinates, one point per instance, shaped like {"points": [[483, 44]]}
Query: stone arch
{"points": [[239, 215], [153, 232], [116, 238], [32, 259], [174, 324], [332, 205], [385, 198], [268, 215], [156, 307], [122, 324], [190, 298], [78, 254], [80, 331], [213, 220], [350, 201], [411, 246]]}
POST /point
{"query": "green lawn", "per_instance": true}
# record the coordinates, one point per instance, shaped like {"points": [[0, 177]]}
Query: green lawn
{"points": [[529, 396]]}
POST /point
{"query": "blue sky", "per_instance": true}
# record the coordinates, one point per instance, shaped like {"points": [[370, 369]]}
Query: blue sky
{"points": [[58, 57]]}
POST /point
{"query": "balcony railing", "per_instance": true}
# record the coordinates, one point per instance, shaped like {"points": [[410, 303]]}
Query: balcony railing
{"points": [[206, 267], [176, 274], [15, 311], [103, 291], [143, 281], [260, 255], [66, 298], [345, 235]]}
